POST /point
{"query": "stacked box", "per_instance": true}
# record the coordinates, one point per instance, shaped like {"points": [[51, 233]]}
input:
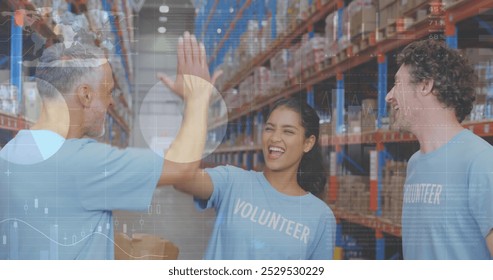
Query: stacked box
{"points": [[8, 99], [294, 66], [298, 11], [282, 17], [353, 194], [406, 5], [482, 61], [394, 177], [344, 122], [354, 119], [314, 50], [325, 123], [344, 191], [261, 81], [265, 35], [246, 90], [279, 69], [258, 127], [304, 9], [233, 99], [385, 3], [333, 121], [249, 43], [388, 12], [229, 68], [326, 128], [449, 3], [362, 17], [310, 52], [331, 43], [360, 198], [369, 111], [299, 60]]}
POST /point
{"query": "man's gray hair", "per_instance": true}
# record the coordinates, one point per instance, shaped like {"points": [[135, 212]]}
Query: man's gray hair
{"points": [[60, 69]]}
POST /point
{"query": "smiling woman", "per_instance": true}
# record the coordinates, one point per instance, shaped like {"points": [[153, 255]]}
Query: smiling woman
{"points": [[274, 214], [290, 146]]}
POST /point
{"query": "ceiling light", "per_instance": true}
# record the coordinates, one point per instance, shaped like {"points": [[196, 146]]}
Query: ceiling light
{"points": [[163, 19], [161, 30], [163, 9]]}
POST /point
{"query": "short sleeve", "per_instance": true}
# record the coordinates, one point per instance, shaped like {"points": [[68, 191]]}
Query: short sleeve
{"points": [[481, 191], [221, 180], [324, 248], [108, 178]]}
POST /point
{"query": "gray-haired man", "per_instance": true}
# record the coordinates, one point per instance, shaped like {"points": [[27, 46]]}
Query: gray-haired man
{"points": [[58, 186]]}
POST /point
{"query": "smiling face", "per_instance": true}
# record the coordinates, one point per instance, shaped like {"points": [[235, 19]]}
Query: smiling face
{"points": [[283, 140], [404, 101]]}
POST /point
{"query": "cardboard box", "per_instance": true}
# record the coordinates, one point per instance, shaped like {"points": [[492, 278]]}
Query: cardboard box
{"points": [[385, 3], [32, 101], [407, 5], [144, 247], [4, 76], [449, 3], [389, 15], [363, 21]]}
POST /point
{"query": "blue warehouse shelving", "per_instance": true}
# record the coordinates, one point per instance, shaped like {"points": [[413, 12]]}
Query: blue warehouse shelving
{"points": [[367, 61]]}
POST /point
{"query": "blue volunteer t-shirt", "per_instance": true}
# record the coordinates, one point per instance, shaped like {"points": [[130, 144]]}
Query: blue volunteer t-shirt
{"points": [[59, 206], [448, 201], [255, 221]]}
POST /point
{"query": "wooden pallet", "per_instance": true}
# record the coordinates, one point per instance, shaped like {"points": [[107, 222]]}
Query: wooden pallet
{"points": [[312, 70], [387, 31], [343, 54], [326, 63], [362, 41]]}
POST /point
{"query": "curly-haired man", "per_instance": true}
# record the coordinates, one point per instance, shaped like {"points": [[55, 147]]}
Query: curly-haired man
{"points": [[448, 194]]}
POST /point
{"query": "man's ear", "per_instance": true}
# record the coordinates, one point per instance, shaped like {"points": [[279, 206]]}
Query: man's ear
{"points": [[309, 143], [84, 94], [426, 87]]}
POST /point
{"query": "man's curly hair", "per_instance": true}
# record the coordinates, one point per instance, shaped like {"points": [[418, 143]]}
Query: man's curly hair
{"points": [[454, 80]]}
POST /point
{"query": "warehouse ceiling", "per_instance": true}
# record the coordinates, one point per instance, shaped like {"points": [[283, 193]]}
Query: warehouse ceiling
{"points": [[179, 18], [155, 51]]}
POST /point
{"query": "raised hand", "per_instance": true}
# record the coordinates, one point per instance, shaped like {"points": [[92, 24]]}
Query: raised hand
{"points": [[192, 60]]}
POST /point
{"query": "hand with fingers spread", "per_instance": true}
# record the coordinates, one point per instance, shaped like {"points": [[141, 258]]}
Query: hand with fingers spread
{"points": [[194, 84], [192, 62]]}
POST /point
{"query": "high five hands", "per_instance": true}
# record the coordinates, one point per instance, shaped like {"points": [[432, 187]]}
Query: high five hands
{"points": [[192, 77]]}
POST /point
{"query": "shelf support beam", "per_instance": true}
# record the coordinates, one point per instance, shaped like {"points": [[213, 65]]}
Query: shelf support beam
{"points": [[333, 181], [380, 245], [382, 88], [16, 53], [310, 96], [273, 24], [340, 103], [450, 31]]}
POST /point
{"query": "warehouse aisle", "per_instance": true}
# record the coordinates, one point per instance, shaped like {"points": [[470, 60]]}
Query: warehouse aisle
{"points": [[172, 214]]}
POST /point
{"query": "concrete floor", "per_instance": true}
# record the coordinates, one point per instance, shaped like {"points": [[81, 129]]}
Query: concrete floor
{"points": [[172, 216]]}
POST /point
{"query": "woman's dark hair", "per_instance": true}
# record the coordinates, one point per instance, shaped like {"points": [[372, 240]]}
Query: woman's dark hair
{"points": [[453, 77], [311, 172]]}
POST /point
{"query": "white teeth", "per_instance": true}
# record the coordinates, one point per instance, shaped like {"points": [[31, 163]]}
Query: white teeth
{"points": [[276, 149]]}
